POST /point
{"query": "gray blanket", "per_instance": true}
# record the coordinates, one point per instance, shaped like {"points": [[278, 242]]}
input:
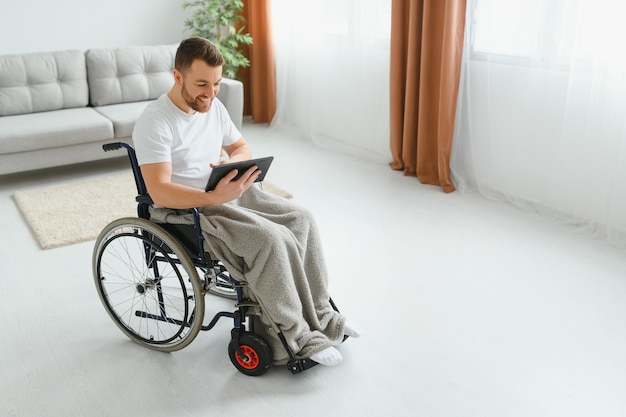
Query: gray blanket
{"points": [[274, 246]]}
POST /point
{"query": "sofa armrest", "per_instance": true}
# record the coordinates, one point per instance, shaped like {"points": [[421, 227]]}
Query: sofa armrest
{"points": [[231, 95]]}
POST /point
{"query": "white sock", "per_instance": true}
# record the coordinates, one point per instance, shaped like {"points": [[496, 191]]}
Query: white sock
{"points": [[350, 330], [328, 357]]}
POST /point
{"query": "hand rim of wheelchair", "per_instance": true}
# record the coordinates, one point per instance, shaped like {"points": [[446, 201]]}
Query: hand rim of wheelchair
{"points": [[172, 313]]}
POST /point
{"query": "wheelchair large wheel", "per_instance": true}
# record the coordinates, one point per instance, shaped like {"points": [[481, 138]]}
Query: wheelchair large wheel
{"points": [[148, 284]]}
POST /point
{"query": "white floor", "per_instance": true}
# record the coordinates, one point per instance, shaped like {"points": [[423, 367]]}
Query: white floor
{"points": [[468, 307]]}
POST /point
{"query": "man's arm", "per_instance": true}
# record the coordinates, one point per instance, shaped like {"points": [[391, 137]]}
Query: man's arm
{"points": [[238, 151], [165, 193]]}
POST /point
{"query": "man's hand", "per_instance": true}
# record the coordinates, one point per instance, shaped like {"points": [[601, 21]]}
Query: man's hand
{"points": [[228, 190]]}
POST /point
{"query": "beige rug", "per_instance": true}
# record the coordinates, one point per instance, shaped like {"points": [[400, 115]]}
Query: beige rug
{"points": [[75, 212]]}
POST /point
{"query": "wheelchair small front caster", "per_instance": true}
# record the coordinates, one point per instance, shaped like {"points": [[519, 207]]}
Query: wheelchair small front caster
{"points": [[249, 353]]}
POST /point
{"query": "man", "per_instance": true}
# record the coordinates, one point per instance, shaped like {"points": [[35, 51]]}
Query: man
{"points": [[265, 240]]}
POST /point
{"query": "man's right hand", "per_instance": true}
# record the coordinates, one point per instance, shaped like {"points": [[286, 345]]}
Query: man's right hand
{"points": [[228, 190]]}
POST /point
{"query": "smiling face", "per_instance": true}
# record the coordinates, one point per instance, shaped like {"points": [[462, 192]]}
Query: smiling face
{"points": [[199, 85]]}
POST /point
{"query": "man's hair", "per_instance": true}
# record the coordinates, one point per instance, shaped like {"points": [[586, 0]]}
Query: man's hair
{"points": [[197, 48]]}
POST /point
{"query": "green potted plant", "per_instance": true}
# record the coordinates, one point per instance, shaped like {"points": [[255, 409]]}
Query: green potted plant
{"points": [[221, 22]]}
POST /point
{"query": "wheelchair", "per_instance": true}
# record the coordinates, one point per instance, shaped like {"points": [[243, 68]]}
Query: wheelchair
{"points": [[152, 279]]}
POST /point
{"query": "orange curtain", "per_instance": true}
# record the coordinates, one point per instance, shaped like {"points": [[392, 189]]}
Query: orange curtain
{"points": [[426, 48], [260, 78]]}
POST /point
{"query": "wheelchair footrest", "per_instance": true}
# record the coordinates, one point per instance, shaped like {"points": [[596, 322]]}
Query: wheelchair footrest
{"points": [[299, 365]]}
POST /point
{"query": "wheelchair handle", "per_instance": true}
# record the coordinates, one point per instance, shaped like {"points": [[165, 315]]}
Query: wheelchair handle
{"points": [[141, 185], [112, 146]]}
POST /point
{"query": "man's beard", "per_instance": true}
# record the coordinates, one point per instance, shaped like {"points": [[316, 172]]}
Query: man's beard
{"points": [[195, 103]]}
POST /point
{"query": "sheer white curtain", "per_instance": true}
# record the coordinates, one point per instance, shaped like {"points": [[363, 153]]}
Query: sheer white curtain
{"points": [[332, 75], [541, 120]]}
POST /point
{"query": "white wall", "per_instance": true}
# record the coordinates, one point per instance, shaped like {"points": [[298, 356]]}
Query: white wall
{"points": [[49, 25]]}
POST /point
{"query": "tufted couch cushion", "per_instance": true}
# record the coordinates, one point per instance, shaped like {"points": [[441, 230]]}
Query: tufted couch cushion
{"points": [[124, 75], [44, 81]]}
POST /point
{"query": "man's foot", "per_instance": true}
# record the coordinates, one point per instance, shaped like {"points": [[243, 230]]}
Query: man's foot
{"points": [[327, 357], [350, 330]]}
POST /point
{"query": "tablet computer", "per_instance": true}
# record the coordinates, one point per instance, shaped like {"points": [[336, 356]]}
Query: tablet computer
{"points": [[219, 171]]}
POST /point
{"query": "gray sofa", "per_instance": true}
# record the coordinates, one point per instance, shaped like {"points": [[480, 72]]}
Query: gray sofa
{"points": [[59, 108]]}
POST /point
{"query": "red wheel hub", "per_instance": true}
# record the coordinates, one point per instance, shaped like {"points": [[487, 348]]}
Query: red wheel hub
{"points": [[253, 359]]}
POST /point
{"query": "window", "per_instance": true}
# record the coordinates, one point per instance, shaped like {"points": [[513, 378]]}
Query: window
{"points": [[352, 21], [547, 33]]}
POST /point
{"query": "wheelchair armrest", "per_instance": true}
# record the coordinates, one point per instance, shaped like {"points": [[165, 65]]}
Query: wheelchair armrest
{"points": [[144, 199]]}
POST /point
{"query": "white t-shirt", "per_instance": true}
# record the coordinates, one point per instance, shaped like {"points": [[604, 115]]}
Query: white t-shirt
{"points": [[165, 133]]}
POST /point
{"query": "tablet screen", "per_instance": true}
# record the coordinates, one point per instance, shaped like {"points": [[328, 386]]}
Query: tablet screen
{"points": [[219, 171]]}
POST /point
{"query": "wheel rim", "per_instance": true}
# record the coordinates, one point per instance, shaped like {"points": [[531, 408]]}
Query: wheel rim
{"points": [[253, 357]]}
